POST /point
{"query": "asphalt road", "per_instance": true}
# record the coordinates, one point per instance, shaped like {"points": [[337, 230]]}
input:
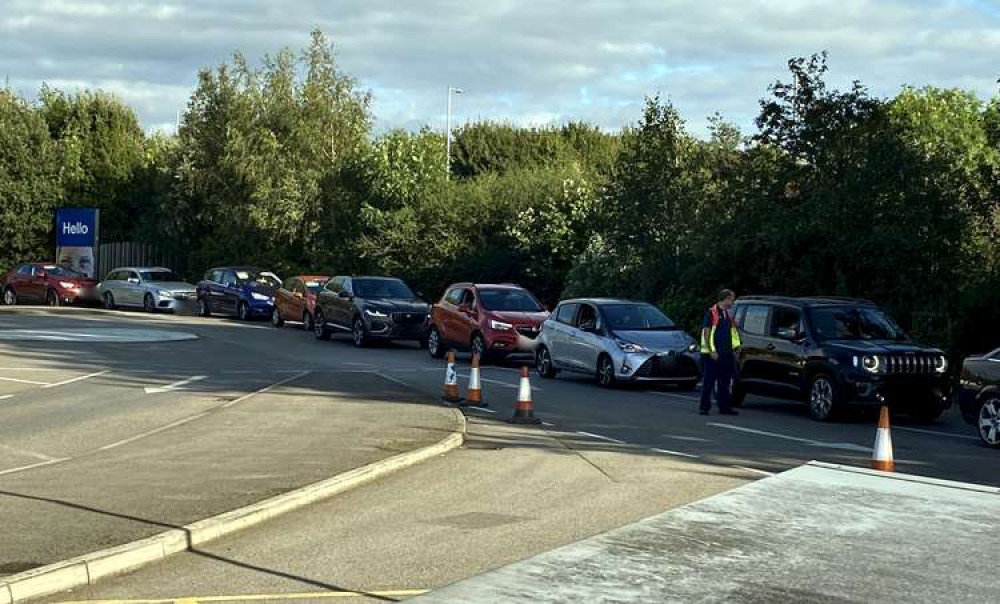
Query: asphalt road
{"points": [[602, 459]]}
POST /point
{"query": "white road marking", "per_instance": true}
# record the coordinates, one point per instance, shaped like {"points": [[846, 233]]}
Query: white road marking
{"points": [[805, 441], [599, 437], [392, 379], [27, 453], [693, 439], [32, 466], [465, 376], [680, 396], [547, 424], [76, 379], [266, 389], [677, 453], [174, 386], [755, 470], [483, 409], [6, 396], [17, 381], [936, 432], [152, 432]]}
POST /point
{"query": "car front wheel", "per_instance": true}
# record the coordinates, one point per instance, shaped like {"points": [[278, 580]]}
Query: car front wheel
{"points": [[9, 297], [320, 330], [109, 301], [203, 308], [989, 422], [358, 333], [147, 303], [276, 319], [478, 346], [52, 298], [307, 321], [435, 347], [606, 372], [543, 363], [243, 311], [823, 398]]}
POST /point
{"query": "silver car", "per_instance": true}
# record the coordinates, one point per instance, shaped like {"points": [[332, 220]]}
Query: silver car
{"points": [[616, 341], [151, 289]]}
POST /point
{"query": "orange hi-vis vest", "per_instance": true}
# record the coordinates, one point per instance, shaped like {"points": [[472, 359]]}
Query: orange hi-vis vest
{"points": [[708, 347]]}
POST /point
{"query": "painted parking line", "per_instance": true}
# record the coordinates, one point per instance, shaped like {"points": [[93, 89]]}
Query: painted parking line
{"points": [[265, 389], [40, 464], [175, 386], [321, 595], [132, 439], [4, 397], [20, 381], [483, 409], [692, 439], [599, 437], [77, 379], [683, 397], [675, 453], [936, 432], [755, 470], [805, 441]]}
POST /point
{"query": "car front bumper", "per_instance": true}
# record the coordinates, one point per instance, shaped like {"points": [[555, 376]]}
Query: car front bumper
{"points": [[81, 295], [897, 391], [387, 329], [523, 340], [670, 367], [179, 303]]}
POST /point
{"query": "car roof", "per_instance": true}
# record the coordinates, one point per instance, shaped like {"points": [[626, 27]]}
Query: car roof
{"points": [[808, 301], [488, 285], [311, 277], [382, 277], [140, 268], [237, 267], [604, 301]]}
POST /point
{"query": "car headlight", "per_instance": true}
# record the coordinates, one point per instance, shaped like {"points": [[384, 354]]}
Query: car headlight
{"points": [[260, 297], [941, 364], [870, 363], [374, 312], [692, 347], [629, 346], [67, 285], [164, 294], [500, 325]]}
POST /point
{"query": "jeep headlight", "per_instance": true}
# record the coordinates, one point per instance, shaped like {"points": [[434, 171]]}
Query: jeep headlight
{"points": [[870, 363], [692, 347], [629, 347], [940, 364], [261, 297], [374, 312]]}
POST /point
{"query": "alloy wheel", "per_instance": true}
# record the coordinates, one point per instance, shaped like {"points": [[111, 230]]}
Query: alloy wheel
{"points": [[434, 343], [479, 346], [203, 308], [358, 331], [543, 363], [147, 303], [243, 311], [606, 373], [821, 398], [9, 297], [989, 422], [52, 299], [307, 322], [276, 318]]}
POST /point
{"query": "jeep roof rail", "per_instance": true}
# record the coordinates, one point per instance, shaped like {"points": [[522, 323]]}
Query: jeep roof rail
{"points": [[809, 299], [837, 299]]}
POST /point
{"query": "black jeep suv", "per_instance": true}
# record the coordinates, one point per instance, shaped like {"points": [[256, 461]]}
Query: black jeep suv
{"points": [[834, 353], [371, 308]]}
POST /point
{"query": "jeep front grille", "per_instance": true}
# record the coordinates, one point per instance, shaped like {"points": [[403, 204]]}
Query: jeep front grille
{"points": [[909, 364]]}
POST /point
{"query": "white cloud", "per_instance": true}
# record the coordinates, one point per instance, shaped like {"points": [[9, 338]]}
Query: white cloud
{"points": [[524, 62]]}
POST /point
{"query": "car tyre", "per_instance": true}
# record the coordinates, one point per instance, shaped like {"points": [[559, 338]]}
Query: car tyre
{"points": [[988, 421], [276, 319], [109, 301], [52, 298], [478, 346], [543, 363], [824, 397], [319, 327], [307, 321], [203, 308], [9, 296], [606, 372], [148, 304], [358, 335], [688, 386], [243, 311], [927, 413], [435, 345]]}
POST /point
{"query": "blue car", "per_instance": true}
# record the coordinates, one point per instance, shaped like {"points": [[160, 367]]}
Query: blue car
{"points": [[241, 291]]}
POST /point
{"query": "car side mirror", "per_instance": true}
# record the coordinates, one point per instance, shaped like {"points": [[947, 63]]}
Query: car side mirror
{"points": [[41, 274], [344, 294], [133, 281], [589, 327]]}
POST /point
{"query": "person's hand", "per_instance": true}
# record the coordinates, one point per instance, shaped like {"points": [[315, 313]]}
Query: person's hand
{"points": [[715, 356]]}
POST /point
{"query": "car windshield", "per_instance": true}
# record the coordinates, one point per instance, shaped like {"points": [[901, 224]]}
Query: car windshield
{"points": [[382, 288], [633, 317], [854, 324], [159, 276], [513, 300], [248, 276], [62, 271], [316, 285]]}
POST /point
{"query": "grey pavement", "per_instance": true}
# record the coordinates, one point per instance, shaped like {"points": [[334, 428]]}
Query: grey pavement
{"points": [[813, 534]]}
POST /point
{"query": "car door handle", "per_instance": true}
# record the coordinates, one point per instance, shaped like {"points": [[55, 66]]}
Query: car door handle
{"points": [[770, 346]]}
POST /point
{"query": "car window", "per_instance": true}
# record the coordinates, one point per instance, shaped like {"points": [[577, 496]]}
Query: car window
{"points": [[755, 321], [24, 271], [786, 322], [566, 313], [469, 298], [382, 289], [290, 284], [739, 313], [159, 276], [215, 276], [347, 285], [454, 296], [313, 286], [229, 277], [632, 317], [334, 285], [133, 275], [59, 271], [860, 323], [587, 319], [515, 300]]}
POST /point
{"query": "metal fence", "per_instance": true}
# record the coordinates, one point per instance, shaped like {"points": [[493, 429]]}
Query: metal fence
{"points": [[130, 253]]}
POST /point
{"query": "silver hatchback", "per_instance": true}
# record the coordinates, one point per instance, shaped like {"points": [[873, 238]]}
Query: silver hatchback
{"points": [[151, 289], [617, 341]]}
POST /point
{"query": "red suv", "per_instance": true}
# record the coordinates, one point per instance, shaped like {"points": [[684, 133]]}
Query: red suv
{"points": [[493, 320], [48, 283], [296, 300]]}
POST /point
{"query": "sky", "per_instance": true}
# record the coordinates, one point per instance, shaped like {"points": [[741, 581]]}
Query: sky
{"points": [[535, 63]]}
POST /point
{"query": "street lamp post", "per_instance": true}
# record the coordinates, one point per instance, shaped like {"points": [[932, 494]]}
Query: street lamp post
{"points": [[447, 161]]}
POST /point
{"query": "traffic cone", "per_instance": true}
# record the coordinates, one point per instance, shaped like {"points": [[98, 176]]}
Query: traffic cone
{"points": [[882, 456], [474, 398], [524, 410], [450, 393]]}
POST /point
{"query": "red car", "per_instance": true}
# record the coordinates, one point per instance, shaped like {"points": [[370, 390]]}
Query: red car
{"points": [[50, 284], [493, 320], [296, 300]]}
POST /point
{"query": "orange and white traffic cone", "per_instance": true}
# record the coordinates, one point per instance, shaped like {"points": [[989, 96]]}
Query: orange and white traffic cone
{"points": [[882, 456], [450, 393], [474, 398], [524, 410]]}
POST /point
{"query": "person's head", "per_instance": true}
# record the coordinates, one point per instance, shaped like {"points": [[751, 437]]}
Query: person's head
{"points": [[726, 298]]}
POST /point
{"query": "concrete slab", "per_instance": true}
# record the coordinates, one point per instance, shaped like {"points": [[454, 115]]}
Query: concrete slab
{"points": [[818, 533]]}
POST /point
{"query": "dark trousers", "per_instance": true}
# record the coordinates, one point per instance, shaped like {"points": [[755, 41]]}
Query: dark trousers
{"points": [[718, 377]]}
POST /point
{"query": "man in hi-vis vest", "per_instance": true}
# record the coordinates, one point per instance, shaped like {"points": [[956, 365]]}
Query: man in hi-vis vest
{"points": [[719, 342]]}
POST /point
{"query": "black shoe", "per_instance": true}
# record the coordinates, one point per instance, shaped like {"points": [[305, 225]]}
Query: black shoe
{"points": [[703, 411], [728, 412]]}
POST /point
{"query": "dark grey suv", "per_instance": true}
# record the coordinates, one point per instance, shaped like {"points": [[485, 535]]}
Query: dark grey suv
{"points": [[370, 308]]}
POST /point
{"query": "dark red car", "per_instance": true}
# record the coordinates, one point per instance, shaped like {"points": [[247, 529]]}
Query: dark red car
{"points": [[43, 283], [492, 320], [296, 300]]}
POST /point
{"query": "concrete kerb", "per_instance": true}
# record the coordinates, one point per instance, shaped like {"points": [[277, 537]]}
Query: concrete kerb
{"points": [[89, 568]]}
